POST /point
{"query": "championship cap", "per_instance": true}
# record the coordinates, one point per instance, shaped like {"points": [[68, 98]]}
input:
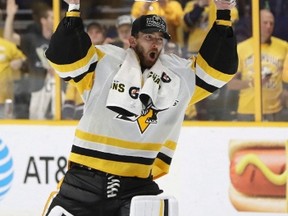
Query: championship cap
{"points": [[148, 24], [124, 20]]}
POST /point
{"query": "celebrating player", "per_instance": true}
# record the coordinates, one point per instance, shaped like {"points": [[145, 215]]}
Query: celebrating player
{"points": [[135, 101]]}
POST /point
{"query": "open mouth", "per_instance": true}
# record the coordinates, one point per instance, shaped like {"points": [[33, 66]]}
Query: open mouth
{"points": [[152, 55]]}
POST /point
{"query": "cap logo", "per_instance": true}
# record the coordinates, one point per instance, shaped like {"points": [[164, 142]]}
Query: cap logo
{"points": [[156, 22]]}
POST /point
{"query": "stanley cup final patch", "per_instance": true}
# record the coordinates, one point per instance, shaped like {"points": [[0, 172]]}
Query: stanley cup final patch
{"points": [[156, 22]]}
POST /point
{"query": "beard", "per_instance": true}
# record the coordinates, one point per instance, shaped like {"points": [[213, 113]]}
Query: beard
{"points": [[147, 59]]}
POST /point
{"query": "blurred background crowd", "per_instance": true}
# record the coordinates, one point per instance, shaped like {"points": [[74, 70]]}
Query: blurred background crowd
{"points": [[27, 83]]}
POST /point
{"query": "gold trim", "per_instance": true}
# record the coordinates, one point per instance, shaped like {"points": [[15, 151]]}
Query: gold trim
{"points": [[73, 14], [224, 22]]}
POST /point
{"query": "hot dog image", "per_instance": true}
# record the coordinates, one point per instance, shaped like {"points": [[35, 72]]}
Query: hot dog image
{"points": [[258, 176]]}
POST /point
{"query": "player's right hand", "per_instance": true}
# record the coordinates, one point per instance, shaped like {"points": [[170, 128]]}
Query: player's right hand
{"points": [[72, 1], [203, 3], [225, 4]]}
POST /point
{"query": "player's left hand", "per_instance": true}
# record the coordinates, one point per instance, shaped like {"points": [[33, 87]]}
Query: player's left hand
{"points": [[72, 1], [225, 4]]}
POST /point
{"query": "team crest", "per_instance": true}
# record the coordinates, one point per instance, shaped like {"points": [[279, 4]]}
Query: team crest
{"points": [[149, 113], [147, 118]]}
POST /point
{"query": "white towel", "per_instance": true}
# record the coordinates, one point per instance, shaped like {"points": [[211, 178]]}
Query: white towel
{"points": [[129, 97]]}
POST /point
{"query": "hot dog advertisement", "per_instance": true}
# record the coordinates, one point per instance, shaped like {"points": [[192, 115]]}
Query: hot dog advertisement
{"points": [[258, 176]]}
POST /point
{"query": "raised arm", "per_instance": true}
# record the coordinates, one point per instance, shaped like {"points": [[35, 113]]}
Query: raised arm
{"points": [[72, 1], [9, 34], [217, 61], [70, 51]]}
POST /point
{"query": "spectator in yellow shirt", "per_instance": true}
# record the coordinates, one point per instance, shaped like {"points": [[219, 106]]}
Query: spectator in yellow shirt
{"points": [[274, 53], [170, 10], [11, 59]]}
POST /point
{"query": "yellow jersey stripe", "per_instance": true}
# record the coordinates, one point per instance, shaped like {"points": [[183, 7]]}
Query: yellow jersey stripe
{"points": [[160, 168], [86, 83], [161, 212], [218, 75], [171, 145], [198, 95], [112, 167], [99, 148], [117, 142], [73, 14], [76, 65], [224, 22]]}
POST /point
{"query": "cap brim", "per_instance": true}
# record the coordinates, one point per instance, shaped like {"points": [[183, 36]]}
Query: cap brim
{"points": [[123, 23], [151, 30]]}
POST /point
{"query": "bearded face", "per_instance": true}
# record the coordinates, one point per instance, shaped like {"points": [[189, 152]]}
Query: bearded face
{"points": [[148, 47], [147, 57]]}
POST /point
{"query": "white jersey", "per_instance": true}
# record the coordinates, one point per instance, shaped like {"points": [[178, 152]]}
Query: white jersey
{"points": [[137, 145]]}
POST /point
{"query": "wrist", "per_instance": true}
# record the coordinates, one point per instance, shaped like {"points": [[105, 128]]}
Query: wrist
{"points": [[73, 7], [200, 4], [73, 10], [223, 15]]}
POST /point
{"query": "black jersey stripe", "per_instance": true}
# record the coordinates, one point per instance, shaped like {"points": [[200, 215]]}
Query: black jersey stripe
{"points": [[225, 38], [164, 158], [80, 77], [69, 102], [166, 208], [204, 85], [112, 157]]}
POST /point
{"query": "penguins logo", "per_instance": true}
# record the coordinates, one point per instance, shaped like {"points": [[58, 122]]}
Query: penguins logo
{"points": [[148, 116]]}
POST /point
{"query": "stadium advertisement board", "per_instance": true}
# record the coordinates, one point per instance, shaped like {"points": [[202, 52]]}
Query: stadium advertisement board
{"points": [[33, 158]]}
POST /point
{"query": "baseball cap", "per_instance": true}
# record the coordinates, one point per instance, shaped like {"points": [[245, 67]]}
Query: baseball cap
{"points": [[148, 24], [124, 19]]}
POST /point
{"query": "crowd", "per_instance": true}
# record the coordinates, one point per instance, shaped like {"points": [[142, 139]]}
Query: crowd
{"points": [[27, 79]]}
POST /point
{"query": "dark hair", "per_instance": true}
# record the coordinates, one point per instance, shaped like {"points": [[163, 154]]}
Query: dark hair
{"points": [[40, 10], [95, 25]]}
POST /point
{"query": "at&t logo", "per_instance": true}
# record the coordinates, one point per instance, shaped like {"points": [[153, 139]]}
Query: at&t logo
{"points": [[6, 170]]}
